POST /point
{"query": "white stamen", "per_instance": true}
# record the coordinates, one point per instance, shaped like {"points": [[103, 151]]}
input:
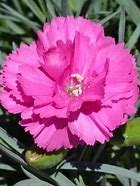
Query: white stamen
{"points": [[75, 90], [78, 77]]}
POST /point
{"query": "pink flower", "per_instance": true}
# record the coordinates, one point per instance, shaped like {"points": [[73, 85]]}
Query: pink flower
{"points": [[73, 86]]}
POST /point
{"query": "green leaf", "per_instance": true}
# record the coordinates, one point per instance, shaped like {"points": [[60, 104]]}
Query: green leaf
{"points": [[20, 17], [80, 181], [137, 55], [4, 143], [132, 10], [14, 45], [36, 10], [65, 8], [4, 166], [18, 5], [42, 6], [76, 5], [32, 182], [11, 142], [12, 155], [134, 38], [58, 177], [124, 181], [8, 17], [1, 60], [14, 27], [17, 159], [62, 180], [95, 6], [57, 6], [99, 167], [109, 17], [50, 8], [28, 173], [122, 25]]}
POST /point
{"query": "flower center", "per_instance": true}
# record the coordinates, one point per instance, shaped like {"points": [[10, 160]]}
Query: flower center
{"points": [[75, 87]]}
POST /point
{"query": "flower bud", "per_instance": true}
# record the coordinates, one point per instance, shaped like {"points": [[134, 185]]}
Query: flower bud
{"points": [[128, 135], [37, 158]]}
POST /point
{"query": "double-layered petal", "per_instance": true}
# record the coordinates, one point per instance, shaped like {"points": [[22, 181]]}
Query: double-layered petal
{"points": [[72, 86]]}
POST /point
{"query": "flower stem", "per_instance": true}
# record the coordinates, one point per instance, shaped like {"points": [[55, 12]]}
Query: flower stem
{"points": [[98, 153], [82, 154]]}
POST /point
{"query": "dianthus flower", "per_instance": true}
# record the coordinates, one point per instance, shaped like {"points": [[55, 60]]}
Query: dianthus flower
{"points": [[72, 86]]}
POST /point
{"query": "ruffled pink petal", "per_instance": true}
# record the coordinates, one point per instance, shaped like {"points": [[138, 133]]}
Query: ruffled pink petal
{"points": [[82, 59], [42, 43], [40, 100], [74, 86], [95, 87], [27, 113], [51, 134], [34, 127], [50, 111], [23, 55], [10, 80], [93, 30], [60, 101], [56, 60], [58, 25], [94, 90], [117, 82], [112, 116], [26, 55], [131, 102], [65, 28], [34, 82], [75, 104], [86, 124], [10, 103]]}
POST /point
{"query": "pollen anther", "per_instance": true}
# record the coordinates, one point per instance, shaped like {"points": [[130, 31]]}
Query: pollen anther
{"points": [[75, 87]]}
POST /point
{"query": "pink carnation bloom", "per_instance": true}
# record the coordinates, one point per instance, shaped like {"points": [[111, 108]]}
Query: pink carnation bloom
{"points": [[73, 86]]}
